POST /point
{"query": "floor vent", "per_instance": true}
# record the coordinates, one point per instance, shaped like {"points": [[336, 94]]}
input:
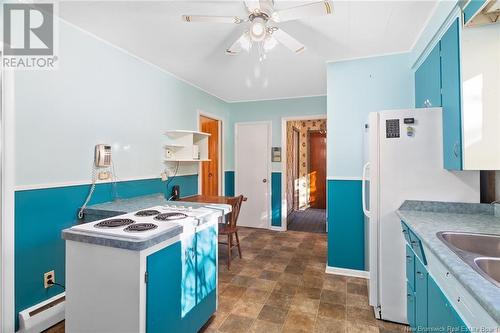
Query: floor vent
{"points": [[42, 315]]}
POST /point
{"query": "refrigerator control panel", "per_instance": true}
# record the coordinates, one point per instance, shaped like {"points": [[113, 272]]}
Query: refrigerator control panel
{"points": [[392, 128]]}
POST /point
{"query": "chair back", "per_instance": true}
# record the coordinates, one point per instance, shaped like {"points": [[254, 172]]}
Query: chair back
{"points": [[235, 212]]}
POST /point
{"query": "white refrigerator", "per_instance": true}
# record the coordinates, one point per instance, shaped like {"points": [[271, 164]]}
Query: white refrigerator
{"points": [[404, 161]]}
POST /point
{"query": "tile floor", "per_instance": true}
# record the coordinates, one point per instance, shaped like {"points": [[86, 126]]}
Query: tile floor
{"points": [[280, 285]]}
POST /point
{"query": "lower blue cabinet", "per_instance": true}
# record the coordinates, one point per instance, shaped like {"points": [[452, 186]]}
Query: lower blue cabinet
{"points": [[421, 300], [163, 292], [428, 309], [181, 292], [442, 316], [410, 266], [410, 306]]}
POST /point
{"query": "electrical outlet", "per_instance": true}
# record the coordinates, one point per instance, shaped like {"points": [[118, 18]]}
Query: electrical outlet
{"points": [[49, 276], [104, 175]]}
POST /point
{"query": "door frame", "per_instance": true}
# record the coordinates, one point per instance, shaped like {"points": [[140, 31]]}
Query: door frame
{"points": [[222, 139], [284, 120], [7, 185], [269, 166]]}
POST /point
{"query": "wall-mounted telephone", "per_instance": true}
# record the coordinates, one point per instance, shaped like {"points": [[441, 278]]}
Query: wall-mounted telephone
{"points": [[102, 155], [101, 169]]}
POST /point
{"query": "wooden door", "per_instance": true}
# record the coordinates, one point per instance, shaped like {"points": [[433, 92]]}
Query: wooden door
{"points": [[210, 169], [317, 170]]}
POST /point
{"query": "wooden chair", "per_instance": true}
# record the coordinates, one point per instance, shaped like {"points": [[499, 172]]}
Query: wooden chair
{"points": [[229, 227]]}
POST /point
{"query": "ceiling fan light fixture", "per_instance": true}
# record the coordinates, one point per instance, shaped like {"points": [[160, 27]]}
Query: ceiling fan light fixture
{"points": [[258, 29], [269, 43]]}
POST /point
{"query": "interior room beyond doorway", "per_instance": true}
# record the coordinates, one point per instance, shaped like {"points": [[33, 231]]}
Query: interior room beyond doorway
{"points": [[306, 175]]}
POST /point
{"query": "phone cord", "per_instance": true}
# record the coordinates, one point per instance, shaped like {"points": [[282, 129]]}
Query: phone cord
{"points": [[89, 196]]}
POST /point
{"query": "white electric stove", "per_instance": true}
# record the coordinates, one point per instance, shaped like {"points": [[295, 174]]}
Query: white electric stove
{"points": [[146, 223]]}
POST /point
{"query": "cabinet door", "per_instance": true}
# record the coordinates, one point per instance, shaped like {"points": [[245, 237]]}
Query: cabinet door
{"points": [[410, 306], [206, 262], [441, 315], [163, 295], [421, 305], [188, 285], [410, 266], [451, 95], [428, 81]]}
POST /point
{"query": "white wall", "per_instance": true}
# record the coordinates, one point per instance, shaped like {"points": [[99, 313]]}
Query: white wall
{"points": [[99, 94], [356, 88], [272, 110], [481, 100]]}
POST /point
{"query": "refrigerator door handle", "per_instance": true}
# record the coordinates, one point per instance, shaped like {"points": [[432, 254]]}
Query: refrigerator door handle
{"points": [[363, 189]]}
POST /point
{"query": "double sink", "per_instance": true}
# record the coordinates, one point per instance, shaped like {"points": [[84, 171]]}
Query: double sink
{"points": [[480, 251]]}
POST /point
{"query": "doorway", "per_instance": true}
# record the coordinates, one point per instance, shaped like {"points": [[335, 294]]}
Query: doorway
{"points": [[305, 174], [210, 170], [253, 172]]}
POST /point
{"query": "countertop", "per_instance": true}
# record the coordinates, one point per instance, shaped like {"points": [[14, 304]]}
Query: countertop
{"points": [[123, 206], [427, 218]]}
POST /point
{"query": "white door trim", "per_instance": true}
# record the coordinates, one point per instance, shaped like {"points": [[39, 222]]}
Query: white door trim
{"points": [[284, 205], [222, 139], [269, 166], [7, 202]]}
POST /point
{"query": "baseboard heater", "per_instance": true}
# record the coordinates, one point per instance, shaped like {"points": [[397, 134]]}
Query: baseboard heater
{"points": [[42, 315]]}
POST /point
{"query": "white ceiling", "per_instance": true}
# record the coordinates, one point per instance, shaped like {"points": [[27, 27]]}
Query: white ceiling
{"points": [[196, 52]]}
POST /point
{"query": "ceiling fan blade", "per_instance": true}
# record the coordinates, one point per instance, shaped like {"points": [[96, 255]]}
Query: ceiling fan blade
{"points": [[267, 6], [252, 5], [288, 41], [214, 19], [294, 13], [242, 43]]}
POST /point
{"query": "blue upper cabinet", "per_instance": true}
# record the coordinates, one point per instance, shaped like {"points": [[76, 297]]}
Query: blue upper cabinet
{"points": [[451, 98], [437, 83], [428, 81]]}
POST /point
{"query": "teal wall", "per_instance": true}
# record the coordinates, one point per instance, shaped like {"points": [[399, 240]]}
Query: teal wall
{"points": [[229, 183], [273, 111], [41, 215], [276, 199], [346, 248], [356, 88]]}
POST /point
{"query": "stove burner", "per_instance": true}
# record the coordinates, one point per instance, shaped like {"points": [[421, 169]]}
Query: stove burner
{"points": [[148, 212], [114, 223], [170, 216], [139, 227]]}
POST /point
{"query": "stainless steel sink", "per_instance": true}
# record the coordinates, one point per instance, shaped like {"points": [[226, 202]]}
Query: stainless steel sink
{"points": [[480, 251], [490, 267], [483, 244]]}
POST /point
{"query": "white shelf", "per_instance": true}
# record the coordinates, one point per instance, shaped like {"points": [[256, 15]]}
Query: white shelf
{"points": [[178, 133], [186, 160], [175, 146], [183, 145]]}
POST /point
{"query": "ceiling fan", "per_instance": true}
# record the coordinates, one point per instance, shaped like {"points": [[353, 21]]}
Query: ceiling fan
{"points": [[262, 30]]}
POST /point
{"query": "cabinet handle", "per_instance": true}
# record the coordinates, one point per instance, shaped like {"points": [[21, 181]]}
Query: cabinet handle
{"points": [[455, 149], [427, 103]]}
